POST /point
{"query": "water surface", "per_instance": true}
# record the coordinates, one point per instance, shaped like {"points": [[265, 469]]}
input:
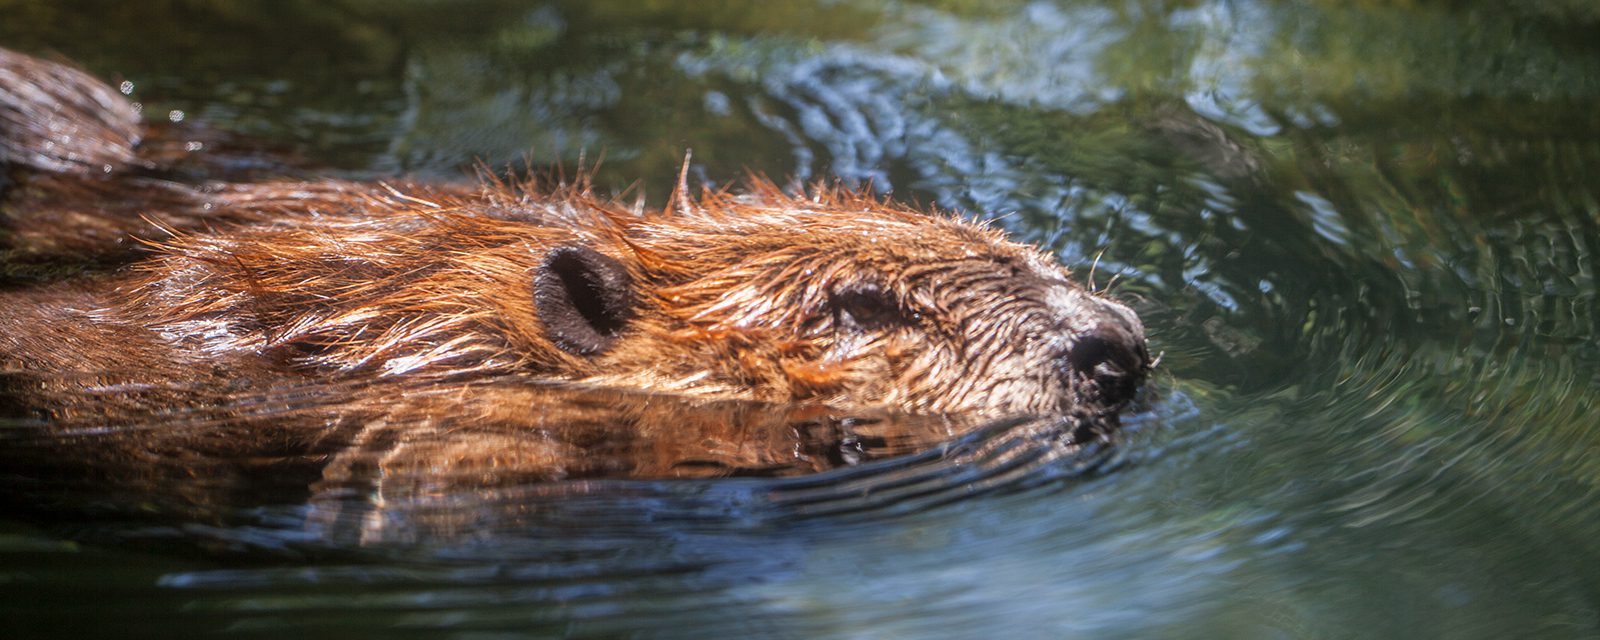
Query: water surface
{"points": [[1363, 239]]}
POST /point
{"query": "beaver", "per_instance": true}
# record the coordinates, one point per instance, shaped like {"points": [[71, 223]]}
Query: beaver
{"points": [[209, 324]]}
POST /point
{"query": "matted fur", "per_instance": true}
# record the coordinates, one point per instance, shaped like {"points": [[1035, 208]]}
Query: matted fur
{"points": [[735, 296], [349, 327]]}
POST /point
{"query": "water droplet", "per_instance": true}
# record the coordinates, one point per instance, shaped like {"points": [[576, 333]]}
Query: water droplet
{"points": [[175, 115], [126, 88]]}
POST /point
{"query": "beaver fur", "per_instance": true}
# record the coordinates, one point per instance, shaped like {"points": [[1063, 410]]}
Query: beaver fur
{"points": [[208, 324]]}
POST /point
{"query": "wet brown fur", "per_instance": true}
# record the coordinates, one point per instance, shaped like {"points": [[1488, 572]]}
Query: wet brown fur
{"points": [[735, 301], [306, 319]]}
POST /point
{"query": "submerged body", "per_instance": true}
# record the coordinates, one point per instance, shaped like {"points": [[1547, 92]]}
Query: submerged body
{"points": [[295, 320]]}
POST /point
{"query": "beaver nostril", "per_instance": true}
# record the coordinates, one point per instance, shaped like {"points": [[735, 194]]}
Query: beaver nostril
{"points": [[1110, 357]]}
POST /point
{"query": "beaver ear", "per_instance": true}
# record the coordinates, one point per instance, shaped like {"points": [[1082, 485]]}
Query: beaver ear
{"points": [[584, 298]]}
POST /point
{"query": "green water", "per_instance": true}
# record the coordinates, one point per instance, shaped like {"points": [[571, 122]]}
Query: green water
{"points": [[1363, 236]]}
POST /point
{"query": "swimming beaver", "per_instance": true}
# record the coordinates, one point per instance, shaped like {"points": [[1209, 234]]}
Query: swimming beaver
{"points": [[265, 318]]}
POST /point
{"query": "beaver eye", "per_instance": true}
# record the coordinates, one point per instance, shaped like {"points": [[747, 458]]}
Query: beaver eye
{"points": [[865, 308], [584, 298]]}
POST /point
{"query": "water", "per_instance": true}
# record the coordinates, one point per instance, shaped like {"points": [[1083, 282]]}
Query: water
{"points": [[1363, 238]]}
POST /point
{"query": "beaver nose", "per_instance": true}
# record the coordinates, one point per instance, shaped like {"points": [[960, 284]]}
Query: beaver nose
{"points": [[1108, 353]]}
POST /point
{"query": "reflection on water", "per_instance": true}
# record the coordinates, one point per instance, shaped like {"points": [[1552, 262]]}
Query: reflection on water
{"points": [[436, 524], [438, 443], [1364, 239]]}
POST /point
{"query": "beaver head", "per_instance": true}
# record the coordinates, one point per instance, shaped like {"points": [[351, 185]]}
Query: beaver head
{"points": [[835, 298]]}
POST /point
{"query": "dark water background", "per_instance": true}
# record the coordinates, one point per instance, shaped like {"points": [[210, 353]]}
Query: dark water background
{"points": [[1363, 235]]}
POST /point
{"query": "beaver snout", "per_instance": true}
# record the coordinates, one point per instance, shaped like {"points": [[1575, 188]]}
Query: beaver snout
{"points": [[1107, 356]]}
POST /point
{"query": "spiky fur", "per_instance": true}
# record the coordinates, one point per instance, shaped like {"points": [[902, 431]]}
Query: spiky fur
{"points": [[353, 325], [735, 295]]}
